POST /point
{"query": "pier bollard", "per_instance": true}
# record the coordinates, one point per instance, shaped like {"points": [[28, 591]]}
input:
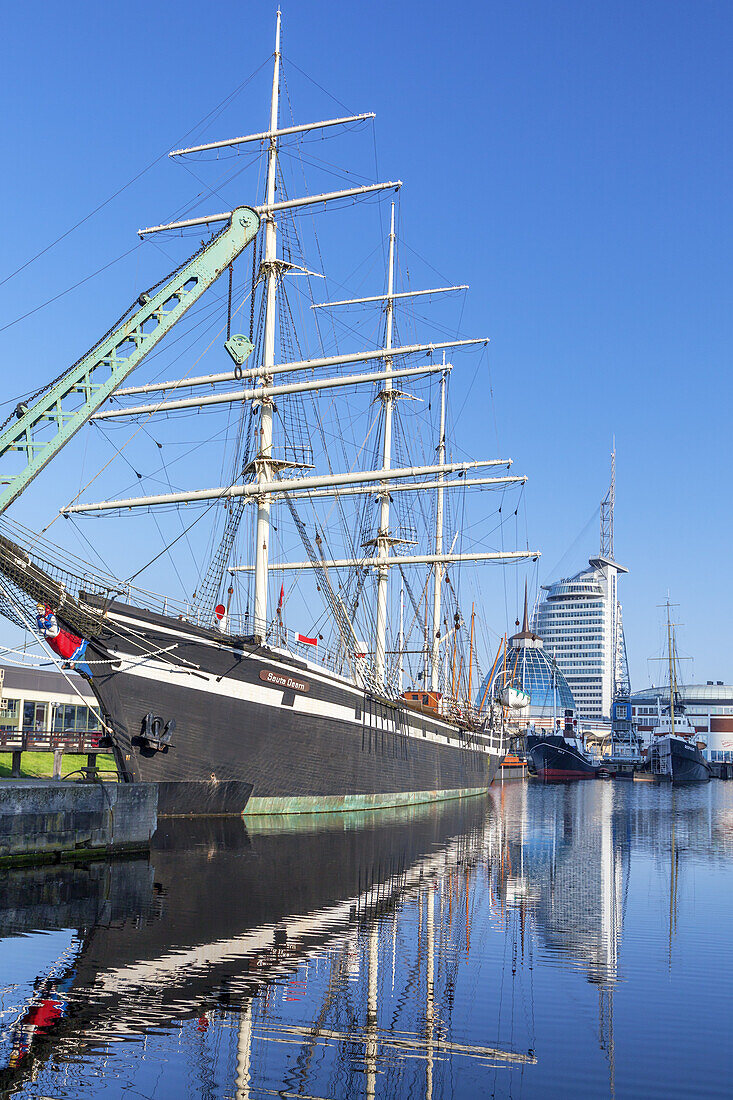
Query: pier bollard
{"points": [[58, 755], [15, 770]]}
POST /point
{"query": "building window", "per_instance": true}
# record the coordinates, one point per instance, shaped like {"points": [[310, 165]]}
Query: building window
{"points": [[34, 716], [9, 712], [68, 718]]}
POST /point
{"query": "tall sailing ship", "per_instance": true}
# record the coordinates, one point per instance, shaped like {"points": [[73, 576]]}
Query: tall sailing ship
{"points": [[227, 709]]}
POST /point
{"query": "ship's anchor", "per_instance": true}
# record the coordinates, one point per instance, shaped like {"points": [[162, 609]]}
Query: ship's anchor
{"points": [[156, 735]]}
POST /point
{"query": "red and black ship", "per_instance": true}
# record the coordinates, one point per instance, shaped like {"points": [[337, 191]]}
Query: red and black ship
{"points": [[559, 754]]}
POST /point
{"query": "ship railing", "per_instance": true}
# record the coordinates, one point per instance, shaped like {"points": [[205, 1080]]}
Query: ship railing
{"points": [[476, 721], [136, 597], [281, 637]]}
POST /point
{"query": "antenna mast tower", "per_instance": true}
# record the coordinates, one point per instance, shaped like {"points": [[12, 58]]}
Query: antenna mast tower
{"points": [[607, 506], [621, 679]]}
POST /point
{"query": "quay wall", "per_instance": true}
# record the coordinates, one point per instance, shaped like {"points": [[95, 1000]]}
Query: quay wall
{"points": [[52, 819]]}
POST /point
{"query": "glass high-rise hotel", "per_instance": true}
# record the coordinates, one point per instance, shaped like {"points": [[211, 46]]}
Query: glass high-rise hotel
{"points": [[579, 620]]}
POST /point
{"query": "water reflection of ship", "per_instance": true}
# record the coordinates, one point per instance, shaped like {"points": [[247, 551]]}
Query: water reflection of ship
{"points": [[569, 867], [702, 824], [678, 827], [563, 859], [212, 920]]}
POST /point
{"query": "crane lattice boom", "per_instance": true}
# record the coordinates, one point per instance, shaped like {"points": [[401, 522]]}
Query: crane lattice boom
{"points": [[39, 430]]}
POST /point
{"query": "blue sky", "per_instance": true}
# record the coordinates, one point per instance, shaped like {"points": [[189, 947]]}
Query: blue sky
{"points": [[570, 160]]}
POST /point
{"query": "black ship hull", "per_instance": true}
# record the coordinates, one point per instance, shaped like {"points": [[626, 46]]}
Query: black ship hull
{"points": [[250, 726], [676, 759], [556, 757]]}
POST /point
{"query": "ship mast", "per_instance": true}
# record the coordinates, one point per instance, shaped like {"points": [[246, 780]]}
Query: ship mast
{"points": [[268, 480], [401, 641], [383, 538], [672, 669], [435, 659], [263, 461], [470, 655], [671, 660]]}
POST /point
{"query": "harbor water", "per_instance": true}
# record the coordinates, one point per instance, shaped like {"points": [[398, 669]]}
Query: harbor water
{"points": [[571, 940]]}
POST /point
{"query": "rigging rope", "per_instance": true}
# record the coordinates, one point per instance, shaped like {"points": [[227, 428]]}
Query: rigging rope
{"points": [[346, 629], [209, 587], [213, 113]]}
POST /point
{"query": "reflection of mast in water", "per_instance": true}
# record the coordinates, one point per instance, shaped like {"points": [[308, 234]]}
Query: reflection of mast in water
{"points": [[673, 873], [430, 992], [605, 1032], [244, 1049], [371, 1046], [376, 910]]}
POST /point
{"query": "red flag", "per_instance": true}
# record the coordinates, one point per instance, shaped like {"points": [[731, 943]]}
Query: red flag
{"points": [[280, 601], [306, 641]]}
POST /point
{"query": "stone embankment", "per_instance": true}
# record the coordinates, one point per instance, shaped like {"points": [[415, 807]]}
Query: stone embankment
{"points": [[43, 820]]}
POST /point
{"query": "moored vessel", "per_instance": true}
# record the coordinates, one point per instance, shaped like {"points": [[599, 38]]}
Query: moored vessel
{"points": [[560, 754], [675, 747], [674, 757], [225, 708]]}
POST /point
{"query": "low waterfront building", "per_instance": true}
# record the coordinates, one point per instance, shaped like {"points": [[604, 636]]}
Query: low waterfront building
{"points": [[42, 700], [709, 707]]}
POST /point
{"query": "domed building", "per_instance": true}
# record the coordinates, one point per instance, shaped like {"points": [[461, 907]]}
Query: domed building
{"points": [[530, 667]]}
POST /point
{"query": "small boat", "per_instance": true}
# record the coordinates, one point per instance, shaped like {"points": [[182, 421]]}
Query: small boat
{"points": [[514, 764], [558, 753], [515, 698]]}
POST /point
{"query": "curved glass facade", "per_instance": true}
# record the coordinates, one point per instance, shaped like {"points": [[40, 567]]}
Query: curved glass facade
{"points": [[536, 673]]}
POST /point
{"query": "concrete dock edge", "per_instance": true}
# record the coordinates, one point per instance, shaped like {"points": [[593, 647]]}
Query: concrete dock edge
{"points": [[42, 820]]}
